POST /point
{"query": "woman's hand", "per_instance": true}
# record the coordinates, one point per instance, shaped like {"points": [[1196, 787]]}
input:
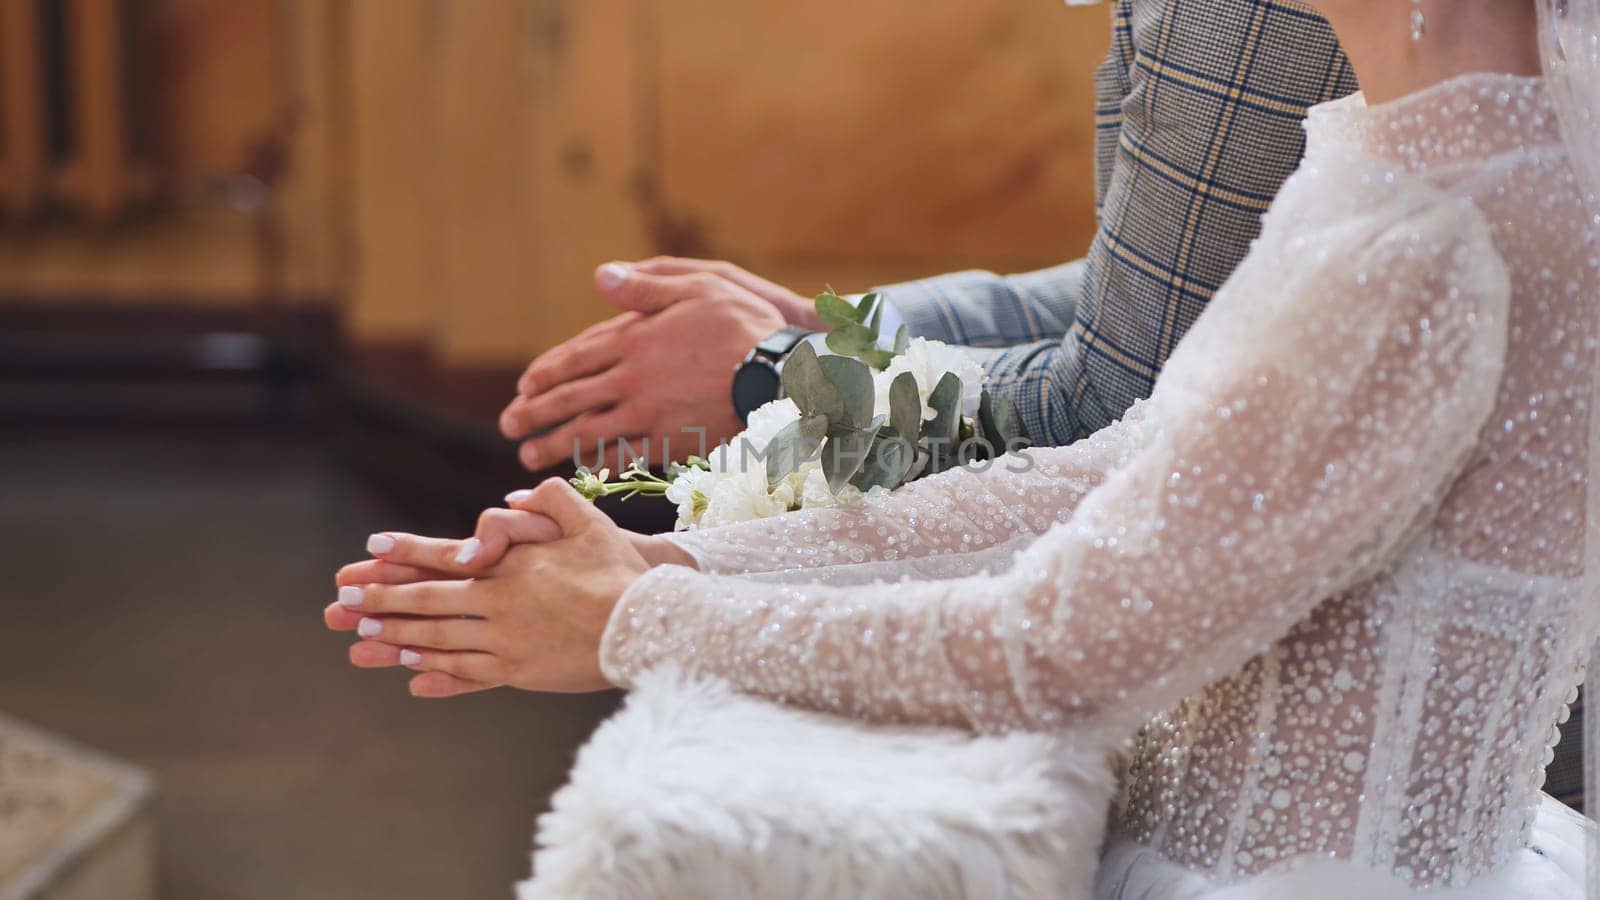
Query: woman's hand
{"points": [[400, 558], [533, 621]]}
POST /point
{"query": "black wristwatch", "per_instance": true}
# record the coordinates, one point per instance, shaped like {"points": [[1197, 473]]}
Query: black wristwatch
{"points": [[757, 380]]}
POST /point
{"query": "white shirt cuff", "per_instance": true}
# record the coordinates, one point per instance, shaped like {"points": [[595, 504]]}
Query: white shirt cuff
{"points": [[890, 322]]}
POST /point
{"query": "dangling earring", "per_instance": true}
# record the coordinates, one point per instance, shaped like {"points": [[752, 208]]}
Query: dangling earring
{"points": [[1419, 22]]}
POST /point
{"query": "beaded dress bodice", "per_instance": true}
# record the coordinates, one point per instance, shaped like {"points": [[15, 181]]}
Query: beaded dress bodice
{"points": [[1339, 565]]}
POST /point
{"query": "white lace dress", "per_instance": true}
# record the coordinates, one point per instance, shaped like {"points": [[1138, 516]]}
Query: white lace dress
{"points": [[1339, 571]]}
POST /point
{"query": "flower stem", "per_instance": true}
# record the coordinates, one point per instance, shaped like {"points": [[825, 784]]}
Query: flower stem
{"points": [[632, 482]]}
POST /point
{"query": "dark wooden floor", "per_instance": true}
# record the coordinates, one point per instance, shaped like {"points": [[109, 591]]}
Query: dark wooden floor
{"points": [[160, 593]]}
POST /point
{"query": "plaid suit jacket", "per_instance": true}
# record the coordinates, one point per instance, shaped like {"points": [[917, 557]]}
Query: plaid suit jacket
{"points": [[1198, 123]]}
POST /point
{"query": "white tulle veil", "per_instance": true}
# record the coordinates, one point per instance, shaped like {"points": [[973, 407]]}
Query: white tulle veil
{"points": [[1569, 34]]}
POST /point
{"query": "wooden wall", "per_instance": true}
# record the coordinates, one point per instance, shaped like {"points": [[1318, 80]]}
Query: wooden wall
{"points": [[456, 168], [188, 97], [503, 149]]}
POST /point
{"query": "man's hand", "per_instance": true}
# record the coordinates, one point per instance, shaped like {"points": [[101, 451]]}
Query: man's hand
{"points": [[528, 621], [663, 366]]}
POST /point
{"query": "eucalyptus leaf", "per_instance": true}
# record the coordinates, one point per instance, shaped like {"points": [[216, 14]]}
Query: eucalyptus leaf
{"points": [[795, 443], [902, 340], [876, 358], [946, 403], [905, 408], [853, 380], [847, 340], [874, 303], [808, 385], [1009, 426], [989, 426], [940, 460], [887, 463], [844, 454], [836, 311], [859, 341]]}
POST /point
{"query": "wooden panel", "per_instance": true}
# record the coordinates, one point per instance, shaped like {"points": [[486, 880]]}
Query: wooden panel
{"points": [[591, 101], [312, 198], [193, 258], [391, 159], [215, 76], [22, 137], [486, 231], [833, 132], [101, 174]]}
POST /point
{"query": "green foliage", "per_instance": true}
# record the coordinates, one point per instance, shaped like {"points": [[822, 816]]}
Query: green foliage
{"points": [[795, 443], [853, 328], [998, 426], [864, 451], [836, 396], [807, 384], [905, 408], [845, 453], [861, 342], [853, 380], [942, 432], [836, 311], [888, 462]]}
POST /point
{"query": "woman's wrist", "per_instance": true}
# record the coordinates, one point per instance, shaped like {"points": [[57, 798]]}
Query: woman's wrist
{"points": [[659, 551]]}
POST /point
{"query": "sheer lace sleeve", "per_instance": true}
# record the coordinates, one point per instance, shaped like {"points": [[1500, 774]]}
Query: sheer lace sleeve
{"points": [[959, 511], [1311, 419]]}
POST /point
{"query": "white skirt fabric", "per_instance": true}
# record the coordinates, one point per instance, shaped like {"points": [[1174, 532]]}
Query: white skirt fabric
{"points": [[1550, 868]]}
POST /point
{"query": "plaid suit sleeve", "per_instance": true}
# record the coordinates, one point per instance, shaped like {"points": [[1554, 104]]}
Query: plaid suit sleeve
{"points": [[1199, 117], [982, 309]]}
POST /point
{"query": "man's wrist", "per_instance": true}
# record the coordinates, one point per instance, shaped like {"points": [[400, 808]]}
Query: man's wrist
{"points": [[757, 380], [753, 388]]}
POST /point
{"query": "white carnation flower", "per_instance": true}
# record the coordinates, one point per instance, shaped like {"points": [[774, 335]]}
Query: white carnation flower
{"points": [[814, 492], [767, 420], [745, 450], [794, 484], [741, 497], [928, 361], [688, 492], [735, 489]]}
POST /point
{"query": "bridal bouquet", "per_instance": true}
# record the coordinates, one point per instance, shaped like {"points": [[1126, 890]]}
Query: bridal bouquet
{"points": [[853, 420]]}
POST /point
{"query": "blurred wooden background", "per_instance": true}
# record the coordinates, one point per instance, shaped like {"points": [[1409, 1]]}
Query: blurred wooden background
{"points": [[442, 176]]}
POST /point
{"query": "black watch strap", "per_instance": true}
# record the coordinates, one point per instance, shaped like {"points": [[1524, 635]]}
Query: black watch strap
{"points": [[758, 379], [778, 344]]}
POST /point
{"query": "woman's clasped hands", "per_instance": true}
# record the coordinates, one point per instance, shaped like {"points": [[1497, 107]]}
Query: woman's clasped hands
{"points": [[523, 603]]}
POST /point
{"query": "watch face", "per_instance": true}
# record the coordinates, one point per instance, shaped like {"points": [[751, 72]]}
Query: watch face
{"points": [[755, 382]]}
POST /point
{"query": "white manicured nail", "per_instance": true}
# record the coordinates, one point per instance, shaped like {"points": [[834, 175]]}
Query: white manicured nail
{"points": [[410, 657], [518, 496], [612, 274], [379, 543], [350, 595], [468, 551], [369, 628]]}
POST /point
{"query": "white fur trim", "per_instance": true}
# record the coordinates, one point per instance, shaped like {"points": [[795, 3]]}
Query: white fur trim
{"points": [[693, 790]]}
